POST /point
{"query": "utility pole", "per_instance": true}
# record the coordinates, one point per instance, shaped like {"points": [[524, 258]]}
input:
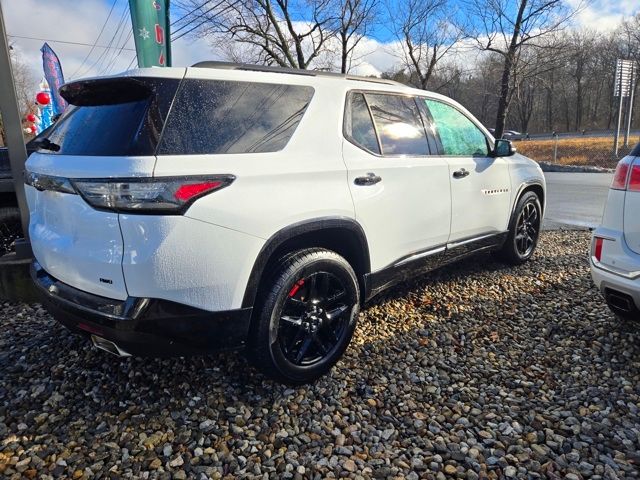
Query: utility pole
{"points": [[15, 140]]}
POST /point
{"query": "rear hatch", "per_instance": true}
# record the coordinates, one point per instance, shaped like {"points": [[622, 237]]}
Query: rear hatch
{"points": [[111, 129], [632, 204]]}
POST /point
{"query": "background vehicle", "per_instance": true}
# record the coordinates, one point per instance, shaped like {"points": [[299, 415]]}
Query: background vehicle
{"points": [[508, 134], [300, 196], [10, 227], [615, 247]]}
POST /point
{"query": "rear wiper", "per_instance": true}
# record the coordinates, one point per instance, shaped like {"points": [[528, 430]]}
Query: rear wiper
{"points": [[46, 144]]}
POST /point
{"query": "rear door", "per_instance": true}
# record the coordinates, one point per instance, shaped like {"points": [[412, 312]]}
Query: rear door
{"points": [[110, 130], [480, 183], [401, 193]]}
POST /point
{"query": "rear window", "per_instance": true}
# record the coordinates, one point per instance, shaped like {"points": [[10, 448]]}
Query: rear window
{"points": [[101, 130], [359, 124], [113, 117], [215, 116]]}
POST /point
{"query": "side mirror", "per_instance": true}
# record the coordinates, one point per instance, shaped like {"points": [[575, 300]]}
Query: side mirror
{"points": [[503, 148]]}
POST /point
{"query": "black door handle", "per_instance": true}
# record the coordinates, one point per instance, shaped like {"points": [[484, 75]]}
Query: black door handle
{"points": [[460, 173], [369, 179]]}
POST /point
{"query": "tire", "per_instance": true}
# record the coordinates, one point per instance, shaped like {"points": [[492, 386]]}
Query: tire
{"points": [[305, 316], [10, 228], [527, 221]]}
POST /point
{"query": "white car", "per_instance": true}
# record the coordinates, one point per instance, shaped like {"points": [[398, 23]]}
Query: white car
{"points": [[615, 247], [183, 210]]}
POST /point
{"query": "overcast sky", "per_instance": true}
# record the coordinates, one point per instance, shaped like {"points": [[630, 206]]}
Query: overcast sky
{"points": [[81, 21]]}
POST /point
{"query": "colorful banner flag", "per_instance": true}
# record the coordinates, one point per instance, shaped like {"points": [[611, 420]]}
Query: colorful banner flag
{"points": [[55, 77], [46, 109], [150, 23]]}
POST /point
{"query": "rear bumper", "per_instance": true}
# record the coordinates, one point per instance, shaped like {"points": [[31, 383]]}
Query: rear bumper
{"points": [[622, 294], [619, 285], [143, 326]]}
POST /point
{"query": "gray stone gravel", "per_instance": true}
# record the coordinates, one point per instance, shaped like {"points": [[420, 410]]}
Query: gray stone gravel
{"points": [[475, 371]]}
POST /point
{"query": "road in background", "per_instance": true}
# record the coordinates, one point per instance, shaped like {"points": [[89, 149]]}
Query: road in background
{"points": [[587, 134], [576, 199]]}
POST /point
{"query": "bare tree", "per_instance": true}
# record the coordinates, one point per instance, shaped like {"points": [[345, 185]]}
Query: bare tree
{"points": [[560, 82], [427, 31], [24, 84], [530, 74], [581, 46], [356, 19], [268, 29], [629, 36], [506, 26]]}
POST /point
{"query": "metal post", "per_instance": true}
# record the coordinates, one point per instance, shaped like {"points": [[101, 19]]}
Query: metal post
{"points": [[555, 148], [13, 130], [630, 105], [619, 117]]}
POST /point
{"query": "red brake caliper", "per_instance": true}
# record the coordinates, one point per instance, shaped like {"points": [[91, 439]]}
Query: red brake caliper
{"points": [[295, 288]]}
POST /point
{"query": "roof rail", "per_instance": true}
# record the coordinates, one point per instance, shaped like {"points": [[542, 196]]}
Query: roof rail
{"points": [[291, 71], [386, 81]]}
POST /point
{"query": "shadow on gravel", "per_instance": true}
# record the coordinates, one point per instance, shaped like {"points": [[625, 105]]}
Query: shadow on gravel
{"points": [[499, 357]]}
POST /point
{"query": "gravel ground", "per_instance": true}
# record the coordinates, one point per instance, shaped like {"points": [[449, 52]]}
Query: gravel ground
{"points": [[476, 371]]}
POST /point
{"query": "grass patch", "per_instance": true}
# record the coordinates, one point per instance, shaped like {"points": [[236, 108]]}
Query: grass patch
{"points": [[577, 151]]}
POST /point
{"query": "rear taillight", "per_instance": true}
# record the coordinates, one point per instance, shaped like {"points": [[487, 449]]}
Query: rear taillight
{"points": [[148, 195], [597, 248], [621, 174], [44, 182], [634, 177]]}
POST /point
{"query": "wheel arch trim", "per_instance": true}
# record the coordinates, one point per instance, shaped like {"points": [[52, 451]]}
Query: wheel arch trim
{"points": [[521, 189], [296, 230], [524, 186]]}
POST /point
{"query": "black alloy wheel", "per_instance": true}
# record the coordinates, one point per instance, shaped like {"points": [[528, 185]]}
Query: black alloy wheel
{"points": [[305, 316], [524, 230], [314, 318], [527, 229]]}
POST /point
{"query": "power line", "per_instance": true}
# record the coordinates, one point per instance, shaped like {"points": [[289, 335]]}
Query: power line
{"points": [[193, 20], [97, 38], [49, 40], [98, 63], [113, 61], [135, 55], [120, 30], [173, 39], [189, 13]]}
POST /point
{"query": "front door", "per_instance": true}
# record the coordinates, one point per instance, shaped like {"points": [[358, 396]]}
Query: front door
{"points": [[480, 183], [401, 193]]}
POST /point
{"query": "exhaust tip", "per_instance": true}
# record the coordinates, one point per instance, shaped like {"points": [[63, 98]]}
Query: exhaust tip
{"points": [[620, 303], [108, 346]]}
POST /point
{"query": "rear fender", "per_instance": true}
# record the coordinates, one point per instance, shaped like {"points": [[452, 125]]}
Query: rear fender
{"points": [[272, 249]]}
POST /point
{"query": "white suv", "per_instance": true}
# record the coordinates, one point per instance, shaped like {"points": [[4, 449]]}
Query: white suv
{"points": [[615, 247], [182, 210]]}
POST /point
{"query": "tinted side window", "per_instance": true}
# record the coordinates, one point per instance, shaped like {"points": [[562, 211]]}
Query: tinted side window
{"points": [[458, 134], [398, 124], [359, 125], [214, 116]]}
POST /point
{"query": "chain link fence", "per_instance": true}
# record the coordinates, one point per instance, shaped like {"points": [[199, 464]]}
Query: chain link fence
{"points": [[584, 150]]}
